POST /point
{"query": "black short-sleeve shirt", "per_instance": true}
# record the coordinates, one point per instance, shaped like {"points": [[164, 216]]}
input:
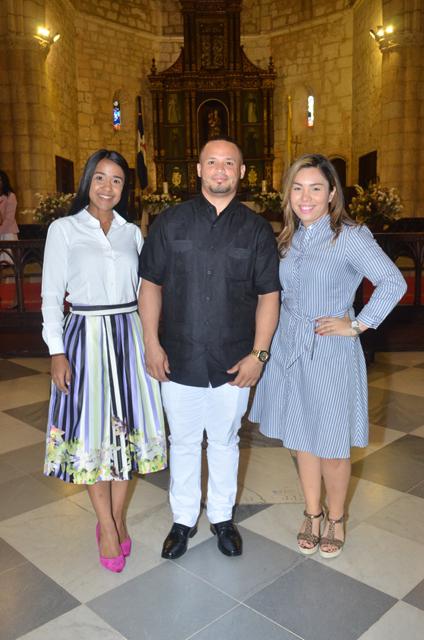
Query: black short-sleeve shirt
{"points": [[212, 270]]}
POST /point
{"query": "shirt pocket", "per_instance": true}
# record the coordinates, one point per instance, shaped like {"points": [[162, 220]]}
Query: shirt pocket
{"points": [[238, 263]]}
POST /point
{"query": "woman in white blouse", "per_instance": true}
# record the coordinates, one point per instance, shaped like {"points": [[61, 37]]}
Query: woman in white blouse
{"points": [[105, 417]]}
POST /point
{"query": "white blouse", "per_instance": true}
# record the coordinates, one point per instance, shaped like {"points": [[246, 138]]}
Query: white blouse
{"points": [[91, 268]]}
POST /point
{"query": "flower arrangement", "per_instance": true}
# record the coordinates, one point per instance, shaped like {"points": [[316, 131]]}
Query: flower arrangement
{"points": [[157, 202], [50, 207], [376, 206], [268, 201]]}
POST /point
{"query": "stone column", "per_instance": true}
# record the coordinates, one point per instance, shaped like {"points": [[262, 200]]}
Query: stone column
{"points": [[402, 110], [26, 150]]}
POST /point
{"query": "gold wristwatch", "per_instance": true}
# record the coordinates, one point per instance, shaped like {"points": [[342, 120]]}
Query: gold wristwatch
{"points": [[261, 355]]}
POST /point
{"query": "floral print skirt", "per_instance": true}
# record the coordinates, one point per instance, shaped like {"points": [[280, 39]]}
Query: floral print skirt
{"points": [[111, 422]]}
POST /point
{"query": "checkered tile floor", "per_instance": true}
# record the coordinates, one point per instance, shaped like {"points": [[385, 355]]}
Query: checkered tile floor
{"points": [[52, 586]]}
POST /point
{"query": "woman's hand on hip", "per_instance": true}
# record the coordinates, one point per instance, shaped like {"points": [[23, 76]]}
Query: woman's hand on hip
{"points": [[334, 326], [61, 372]]}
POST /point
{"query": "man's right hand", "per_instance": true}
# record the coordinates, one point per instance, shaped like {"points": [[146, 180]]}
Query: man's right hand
{"points": [[61, 372], [157, 364]]}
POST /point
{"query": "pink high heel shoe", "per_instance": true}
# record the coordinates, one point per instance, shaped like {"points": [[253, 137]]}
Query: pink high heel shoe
{"points": [[126, 547], [115, 564]]}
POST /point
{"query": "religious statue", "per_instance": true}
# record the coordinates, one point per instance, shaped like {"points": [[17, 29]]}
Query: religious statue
{"points": [[173, 111], [214, 124], [252, 176], [252, 109], [176, 177]]}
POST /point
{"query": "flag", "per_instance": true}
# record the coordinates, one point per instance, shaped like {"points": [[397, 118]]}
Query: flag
{"points": [[141, 148]]}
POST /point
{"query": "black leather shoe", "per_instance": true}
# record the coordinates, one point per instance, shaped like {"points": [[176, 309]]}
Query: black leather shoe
{"points": [[176, 541], [229, 539]]}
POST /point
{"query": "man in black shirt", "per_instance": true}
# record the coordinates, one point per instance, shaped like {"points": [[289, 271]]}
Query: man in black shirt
{"points": [[210, 267]]}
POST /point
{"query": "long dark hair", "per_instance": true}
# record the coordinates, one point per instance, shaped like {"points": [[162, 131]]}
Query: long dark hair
{"points": [[336, 208], [81, 199], [6, 186]]}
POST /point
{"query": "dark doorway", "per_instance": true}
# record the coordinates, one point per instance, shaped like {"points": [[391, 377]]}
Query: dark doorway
{"points": [[340, 166], [64, 175], [367, 169]]}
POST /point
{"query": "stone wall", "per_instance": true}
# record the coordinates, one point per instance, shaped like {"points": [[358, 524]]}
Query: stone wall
{"points": [[61, 75], [59, 101], [311, 58], [366, 82]]}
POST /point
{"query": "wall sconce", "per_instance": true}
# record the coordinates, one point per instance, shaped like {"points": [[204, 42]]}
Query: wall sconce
{"points": [[383, 36], [44, 37]]}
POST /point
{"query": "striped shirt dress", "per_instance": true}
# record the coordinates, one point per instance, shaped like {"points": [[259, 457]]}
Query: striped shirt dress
{"points": [[313, 392]]}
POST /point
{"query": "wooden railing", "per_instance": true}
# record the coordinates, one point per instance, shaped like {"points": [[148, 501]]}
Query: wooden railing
{"points": [[20, 326]]}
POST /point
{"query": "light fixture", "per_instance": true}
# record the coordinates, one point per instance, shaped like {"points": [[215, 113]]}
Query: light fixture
{"points": [[44, 37], [383, 36]]}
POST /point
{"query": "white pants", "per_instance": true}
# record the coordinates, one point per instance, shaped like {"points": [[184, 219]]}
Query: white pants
{"points": [[190, 410]]}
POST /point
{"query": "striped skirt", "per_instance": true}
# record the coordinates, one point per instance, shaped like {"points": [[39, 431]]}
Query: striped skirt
{"points": [[111, 422]]}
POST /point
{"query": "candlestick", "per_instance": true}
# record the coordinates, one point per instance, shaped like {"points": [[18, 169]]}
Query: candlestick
{"points": [[165, 188], [264, 186]]}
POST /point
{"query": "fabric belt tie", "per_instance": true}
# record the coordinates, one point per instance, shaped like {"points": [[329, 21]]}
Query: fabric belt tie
{"points": [[303, 336], [103, 309]]}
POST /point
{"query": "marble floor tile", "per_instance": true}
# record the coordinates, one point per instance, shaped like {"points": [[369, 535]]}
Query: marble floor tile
{"points": [[142, 497], [63, 545], [380, 559], [80, 623], [13, 393], [11, 370], [410, 381], [401, 621], [416, 596], [48, 531], [40, 597], [15, 434], [399, 465], [405, 358], [365, 499], [378, 438], [377, 370], [29, 459], [251, 437], [60, 488], [418, 432], [23, 494], [240, 577], [39, 364], [153, 526], [404, 517], [267, 475], [137, 612], [244, 511], [243, 622], [34, 414], [9, 557], [402, 411], [8, 473], [418, 490], [159, 479], [279, 523], [318, 604]]}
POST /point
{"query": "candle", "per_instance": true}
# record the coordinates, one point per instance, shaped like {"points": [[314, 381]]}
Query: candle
{"points": [[165, 188], [263, 186]]}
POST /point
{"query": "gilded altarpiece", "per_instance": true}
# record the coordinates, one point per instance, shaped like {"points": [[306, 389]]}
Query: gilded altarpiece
{"points": [[212, 89]]}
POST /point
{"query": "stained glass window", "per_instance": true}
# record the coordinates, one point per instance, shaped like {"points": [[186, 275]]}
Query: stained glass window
{"points": [[311, 111]]}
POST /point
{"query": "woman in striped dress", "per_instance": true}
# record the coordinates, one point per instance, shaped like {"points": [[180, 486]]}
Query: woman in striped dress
{"points": [[313, 393], [105, 417]]}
